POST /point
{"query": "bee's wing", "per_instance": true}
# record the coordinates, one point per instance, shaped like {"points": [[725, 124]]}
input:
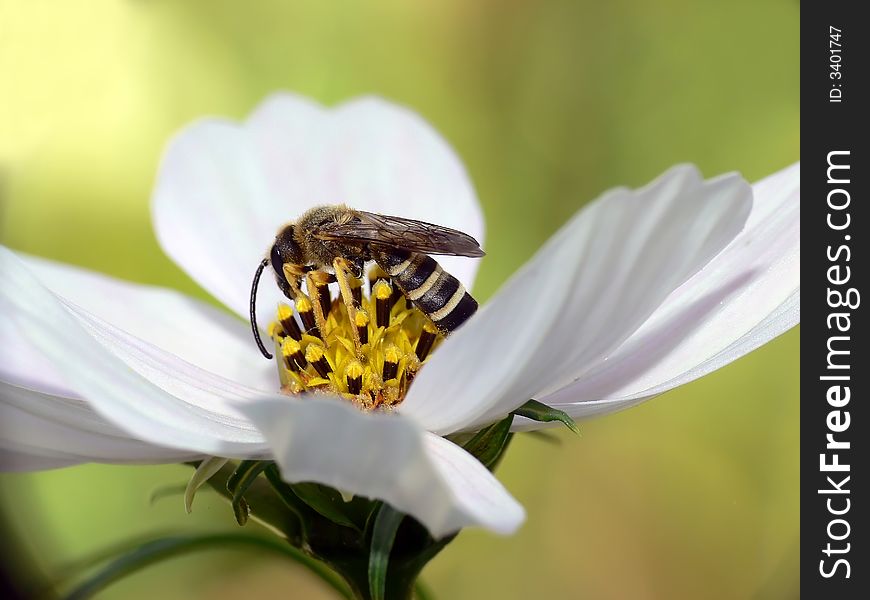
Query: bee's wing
{"points": [[399, 232]]}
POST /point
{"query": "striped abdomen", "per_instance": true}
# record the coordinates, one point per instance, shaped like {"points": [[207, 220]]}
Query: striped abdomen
{"points": [[433, 290]]}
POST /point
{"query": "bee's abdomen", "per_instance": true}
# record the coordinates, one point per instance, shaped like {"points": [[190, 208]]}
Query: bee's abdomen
{"points": [[433, 290]]}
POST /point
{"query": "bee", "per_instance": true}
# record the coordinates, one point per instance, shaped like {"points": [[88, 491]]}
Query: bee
{"points": [[343, 240]]}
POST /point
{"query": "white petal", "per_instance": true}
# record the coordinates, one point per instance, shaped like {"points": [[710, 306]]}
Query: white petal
{"points": [[372, 155], [192, 330], [388, 457], [152, 394], [747, 295], [224, 189], [583, 294], [22, 363], [11, 461], [161, 399], [63, 431]]}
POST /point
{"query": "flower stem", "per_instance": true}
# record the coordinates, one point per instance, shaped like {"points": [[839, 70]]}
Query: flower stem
{"points": [[157, 550]]}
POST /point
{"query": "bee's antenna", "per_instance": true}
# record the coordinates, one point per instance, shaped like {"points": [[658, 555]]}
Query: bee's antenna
{"points": [[263, 264]]}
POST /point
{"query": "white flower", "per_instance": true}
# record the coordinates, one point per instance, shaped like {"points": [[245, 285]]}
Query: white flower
{"points": [[640, 292]]}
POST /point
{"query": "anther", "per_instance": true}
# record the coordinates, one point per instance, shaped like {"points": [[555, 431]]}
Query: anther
{"points": [[314, 354], [354, 376], [383, 291], [427, 338], [288, 322], [362, 326], [391, 362], [292, 352], [306, 313]]}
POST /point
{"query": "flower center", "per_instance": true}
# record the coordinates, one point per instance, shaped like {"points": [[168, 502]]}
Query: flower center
{"points": [[368, 353]]}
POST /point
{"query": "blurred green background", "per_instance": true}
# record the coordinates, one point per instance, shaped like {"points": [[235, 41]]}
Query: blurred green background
{"points": [[548, 103]]}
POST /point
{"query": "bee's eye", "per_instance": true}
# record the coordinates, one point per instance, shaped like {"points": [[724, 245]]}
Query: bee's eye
{"points": [[275, 257]]}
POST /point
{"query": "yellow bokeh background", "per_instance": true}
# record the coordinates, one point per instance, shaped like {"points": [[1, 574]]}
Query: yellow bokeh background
{"points": [[692, 495]]}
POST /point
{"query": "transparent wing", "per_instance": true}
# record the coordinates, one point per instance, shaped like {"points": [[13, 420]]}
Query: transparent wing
{"points": [[398, 232]]}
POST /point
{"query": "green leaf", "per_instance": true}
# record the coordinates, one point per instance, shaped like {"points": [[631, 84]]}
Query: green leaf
{"points": [[157, 550], [203, 473], [383, 535], [327, 501], [489, 443], [239, 482], [538, 411]]}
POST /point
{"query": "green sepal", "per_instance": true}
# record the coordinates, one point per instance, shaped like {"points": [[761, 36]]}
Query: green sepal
{"points": [[241, 510], [290, 500], [346, 550], [204, 472], [270, 509], [239, 482], [489, 443], [384, 531], [538, 411], [329, 503]]}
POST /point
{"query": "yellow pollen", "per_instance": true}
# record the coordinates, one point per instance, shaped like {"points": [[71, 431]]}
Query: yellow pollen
{"points": [[391, 354], [303, 304], [284, 312], [374, 375], [383, 290], [290, 346], [313, 353], [354, 370]]}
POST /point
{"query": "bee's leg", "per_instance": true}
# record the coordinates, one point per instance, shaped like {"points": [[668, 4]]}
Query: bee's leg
{"points": [[314, 279], [293, 273], [344, 270]]}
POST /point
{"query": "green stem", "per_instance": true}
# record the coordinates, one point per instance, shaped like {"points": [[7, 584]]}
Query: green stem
{"points": [[157, 550]]}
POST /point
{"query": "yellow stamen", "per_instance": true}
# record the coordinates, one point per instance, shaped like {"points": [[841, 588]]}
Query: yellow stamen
{"points": [[369, 360], [353, 374], [288, 322], [315, 355], [306, 313], [291, 350], [362, 326], [315, 282], [391, 362], [383, 292]]}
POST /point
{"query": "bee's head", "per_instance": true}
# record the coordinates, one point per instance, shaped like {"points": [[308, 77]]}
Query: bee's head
{"points": [[285, 250]]}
